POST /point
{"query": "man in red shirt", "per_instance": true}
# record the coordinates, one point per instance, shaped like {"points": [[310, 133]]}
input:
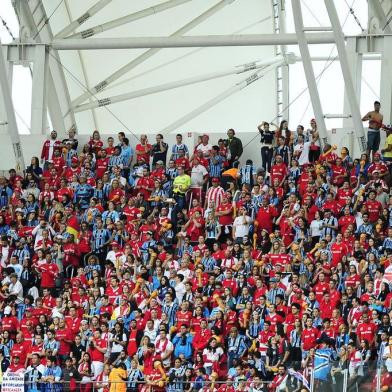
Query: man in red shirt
{"points": [[265, 216], [278, 170], [73, 321], [320, 287], [338, 250], [309, 335], [101, 164], [346, 220], [49, 272], [20, 348], [374, 207], [366, 330], [64, 337], [9, 322], [143, 150]]}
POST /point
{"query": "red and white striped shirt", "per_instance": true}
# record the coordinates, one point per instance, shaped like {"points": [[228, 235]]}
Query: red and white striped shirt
{"points": [[215, 195]]}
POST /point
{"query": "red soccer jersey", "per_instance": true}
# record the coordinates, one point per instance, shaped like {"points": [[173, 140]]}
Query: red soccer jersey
{"points": [[374, 209], [309, 337], [61, 336], [338, 251], [366, 331], [21, 350], [95, 354], [144, 152], [49, 273]]}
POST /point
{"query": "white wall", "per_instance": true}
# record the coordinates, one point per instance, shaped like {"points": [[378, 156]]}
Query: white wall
{"points": [[31, 145]]}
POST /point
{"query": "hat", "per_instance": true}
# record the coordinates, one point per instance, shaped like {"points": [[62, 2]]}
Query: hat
{"points": [[215, 179], [159, 162], [149, 232], [114, 243], [74, 159], [7, 310], [274, 280]]}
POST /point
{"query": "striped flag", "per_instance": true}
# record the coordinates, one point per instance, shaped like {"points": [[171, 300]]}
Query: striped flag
{"points": [[300, 377]]}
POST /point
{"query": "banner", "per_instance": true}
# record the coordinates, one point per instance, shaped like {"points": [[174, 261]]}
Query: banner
{"points": [[13, 382]]}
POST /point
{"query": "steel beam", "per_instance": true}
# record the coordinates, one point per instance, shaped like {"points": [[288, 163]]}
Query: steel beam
{"points": [[179, 83], [128, 18], [83, 18], [282, 74], [309, 72], [12, 126], [38, 94], [378, 11], [149, 53], [345, 66], [355, 61], [31, 14], [219, 98], [386, 81], [176, 41]]}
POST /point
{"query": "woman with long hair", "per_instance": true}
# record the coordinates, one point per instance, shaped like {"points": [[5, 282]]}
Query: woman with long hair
{"points": [[212, 355], [86, 372], [117, 340]]}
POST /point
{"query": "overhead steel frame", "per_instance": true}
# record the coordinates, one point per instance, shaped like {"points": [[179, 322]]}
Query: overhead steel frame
{"points": [[194, 41], [184, 82], [128, 18], [347, 75], [308, 69], [282, 74], [12, 127], [219, 98], [149, 53], [67, 30], [33, 16]]}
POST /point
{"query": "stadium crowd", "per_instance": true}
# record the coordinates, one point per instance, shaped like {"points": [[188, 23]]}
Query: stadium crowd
{"points": [[152, 267]]}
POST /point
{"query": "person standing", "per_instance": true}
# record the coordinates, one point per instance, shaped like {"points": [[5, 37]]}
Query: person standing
{"points": [[159, 150], [48, 148], [375, 119], [234, 146], [180, 186], [266, 139], [143, 151]]}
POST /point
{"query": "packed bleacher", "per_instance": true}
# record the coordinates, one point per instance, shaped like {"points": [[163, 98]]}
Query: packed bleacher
{"points": [[150, 267]]}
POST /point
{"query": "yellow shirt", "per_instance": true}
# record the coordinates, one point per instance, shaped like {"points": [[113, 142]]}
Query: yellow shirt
{"points": [[181, 183], [388, 154], [116, 376]]}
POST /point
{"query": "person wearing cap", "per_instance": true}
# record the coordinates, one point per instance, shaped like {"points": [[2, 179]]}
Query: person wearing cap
{"points": [[215, 193], [158, 173], [199, 175]]}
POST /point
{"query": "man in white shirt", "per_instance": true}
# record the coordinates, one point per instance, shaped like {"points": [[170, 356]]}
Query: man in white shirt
{"points": [[180, 287], [301, 151], [241, 225], [16, 288], [204, 146], [198, 173]]}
